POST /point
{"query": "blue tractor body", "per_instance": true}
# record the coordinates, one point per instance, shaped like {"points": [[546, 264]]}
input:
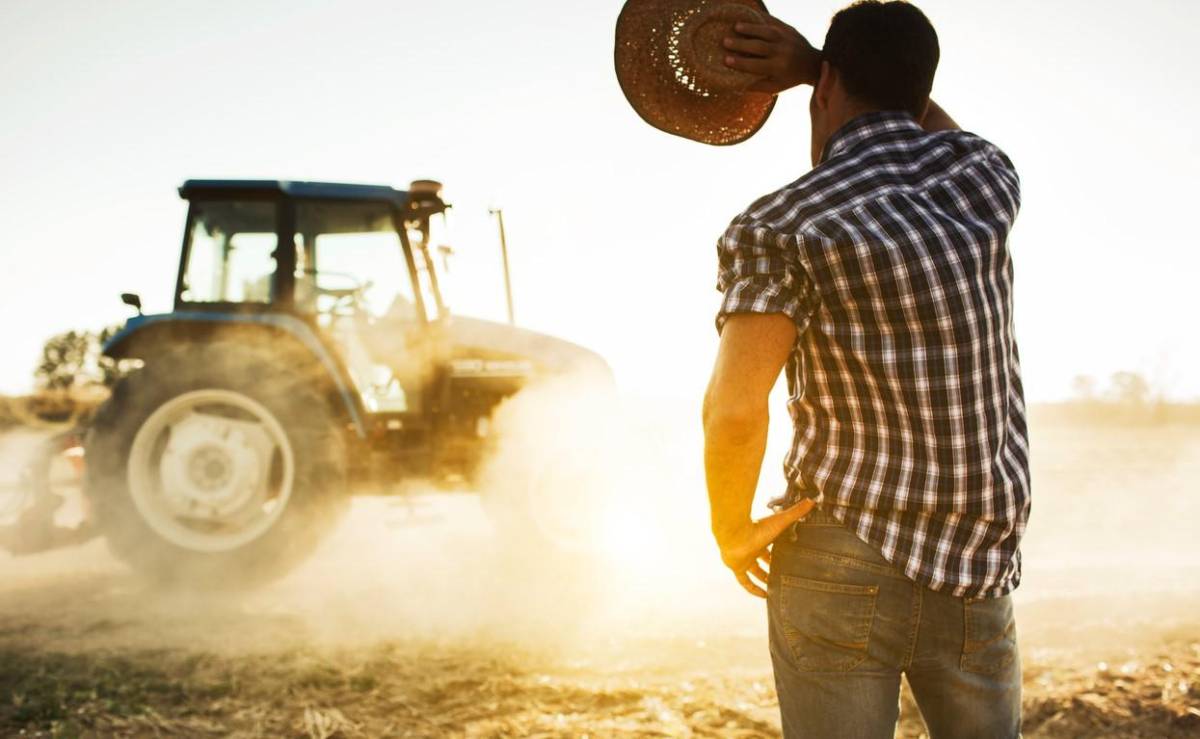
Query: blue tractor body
{"points": [[309, 353], [136, 338]]}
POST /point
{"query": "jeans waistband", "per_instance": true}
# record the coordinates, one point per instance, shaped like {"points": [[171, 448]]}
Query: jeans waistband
{"points": [[819, 531], [818, 515]]}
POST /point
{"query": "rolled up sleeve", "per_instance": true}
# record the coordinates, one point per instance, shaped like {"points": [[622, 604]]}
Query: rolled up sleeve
{"points": [[760, 272]]}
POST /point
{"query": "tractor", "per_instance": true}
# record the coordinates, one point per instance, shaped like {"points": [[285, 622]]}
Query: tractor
{"points": [[309, 356]]}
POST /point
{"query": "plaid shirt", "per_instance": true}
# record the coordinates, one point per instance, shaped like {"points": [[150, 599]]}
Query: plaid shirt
{"points": [[891, 257]]}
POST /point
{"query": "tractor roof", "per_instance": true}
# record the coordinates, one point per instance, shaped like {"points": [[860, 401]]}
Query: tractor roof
{"points": [[319, 190]]}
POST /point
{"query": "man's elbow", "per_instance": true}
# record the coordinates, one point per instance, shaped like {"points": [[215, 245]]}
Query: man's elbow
{"points": [[733, 422]]}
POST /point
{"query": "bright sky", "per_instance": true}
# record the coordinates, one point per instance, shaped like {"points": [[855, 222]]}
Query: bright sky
{"points": [[107, 107]]}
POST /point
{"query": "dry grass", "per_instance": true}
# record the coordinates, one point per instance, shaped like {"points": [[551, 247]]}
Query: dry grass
{"points": [[387, 690], [399, 689]]}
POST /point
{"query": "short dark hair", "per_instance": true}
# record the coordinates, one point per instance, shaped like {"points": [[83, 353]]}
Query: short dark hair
{"points": [[885, 53]]}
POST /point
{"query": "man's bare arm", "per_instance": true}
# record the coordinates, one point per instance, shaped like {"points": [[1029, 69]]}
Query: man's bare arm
{"points": [[753, 350]]}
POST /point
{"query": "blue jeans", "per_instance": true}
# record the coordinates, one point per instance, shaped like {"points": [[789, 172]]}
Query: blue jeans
{"points": [[845, 624]]}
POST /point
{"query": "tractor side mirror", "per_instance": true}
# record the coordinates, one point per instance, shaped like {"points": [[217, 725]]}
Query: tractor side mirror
{"points": [[133, 300]]}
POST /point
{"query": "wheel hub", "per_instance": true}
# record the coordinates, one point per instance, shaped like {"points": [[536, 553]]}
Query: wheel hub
{"points": [[210, 468], [213, 467]]}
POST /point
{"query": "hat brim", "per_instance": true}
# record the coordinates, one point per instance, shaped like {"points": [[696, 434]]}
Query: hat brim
{"points": [[655, 84]]}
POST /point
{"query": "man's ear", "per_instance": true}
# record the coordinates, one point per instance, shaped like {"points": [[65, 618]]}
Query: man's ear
{"points": [[824, 87]]}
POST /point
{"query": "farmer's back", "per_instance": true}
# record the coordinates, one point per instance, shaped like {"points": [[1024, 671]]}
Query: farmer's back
{"points": [[906, 393]]}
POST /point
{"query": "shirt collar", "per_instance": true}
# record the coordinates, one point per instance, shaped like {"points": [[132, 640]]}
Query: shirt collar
{"points": [[867, 126]]}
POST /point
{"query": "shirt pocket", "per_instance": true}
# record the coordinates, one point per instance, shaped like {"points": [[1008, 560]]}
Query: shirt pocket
{"points": [[990, 635], [827, 625]]}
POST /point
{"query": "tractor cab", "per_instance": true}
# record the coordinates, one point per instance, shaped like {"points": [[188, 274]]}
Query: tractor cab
{"points": [[352, 261], [338, 240]]}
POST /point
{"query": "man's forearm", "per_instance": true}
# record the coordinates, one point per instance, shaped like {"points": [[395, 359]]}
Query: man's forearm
{"points": [[733, 454], [754, 348]]}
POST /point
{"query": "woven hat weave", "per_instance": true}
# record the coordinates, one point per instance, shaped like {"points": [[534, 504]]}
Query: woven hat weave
{"points": [[671, 65]]}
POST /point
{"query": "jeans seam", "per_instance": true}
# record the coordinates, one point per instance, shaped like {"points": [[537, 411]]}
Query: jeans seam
{"points": [[851, 562], [916, 627], [805, 583]]}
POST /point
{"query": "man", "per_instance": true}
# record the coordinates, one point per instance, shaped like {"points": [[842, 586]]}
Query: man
{"points": [[881, 280]]}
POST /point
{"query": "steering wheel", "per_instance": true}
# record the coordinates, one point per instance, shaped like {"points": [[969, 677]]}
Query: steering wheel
{"points": [[352, 295]]}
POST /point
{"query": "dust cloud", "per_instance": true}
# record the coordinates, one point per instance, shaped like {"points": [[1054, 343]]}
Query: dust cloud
{"points": [[591, 527], [18, 449]]}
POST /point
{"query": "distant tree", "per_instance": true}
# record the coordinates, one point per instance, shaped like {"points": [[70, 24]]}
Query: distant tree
{"points": [[72, 360], [1129, 388], [1083, 388]]}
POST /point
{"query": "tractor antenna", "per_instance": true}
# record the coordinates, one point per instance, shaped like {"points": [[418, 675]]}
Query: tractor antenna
{"points": [[499, 213]]}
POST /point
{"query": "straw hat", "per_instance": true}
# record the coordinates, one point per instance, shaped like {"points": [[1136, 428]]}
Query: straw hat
{"points": [[671, 65]]}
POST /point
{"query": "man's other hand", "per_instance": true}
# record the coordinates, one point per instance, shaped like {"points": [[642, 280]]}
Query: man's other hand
{"points": [[746, 550], [775, 51]]}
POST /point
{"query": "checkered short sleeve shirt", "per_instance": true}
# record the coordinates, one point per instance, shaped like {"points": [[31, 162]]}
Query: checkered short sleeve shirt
{"points": [[892, 258]]}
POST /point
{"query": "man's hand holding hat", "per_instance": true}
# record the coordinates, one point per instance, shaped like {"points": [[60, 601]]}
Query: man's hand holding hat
{"points": [[775, 52]]}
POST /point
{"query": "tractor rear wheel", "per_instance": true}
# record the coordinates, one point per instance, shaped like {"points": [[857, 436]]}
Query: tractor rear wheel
{"points": [[216, 465]]}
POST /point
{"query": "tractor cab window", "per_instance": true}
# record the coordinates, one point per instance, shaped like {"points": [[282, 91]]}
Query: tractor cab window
{"points": [[352, 275], [230, 252], [349, 260]]}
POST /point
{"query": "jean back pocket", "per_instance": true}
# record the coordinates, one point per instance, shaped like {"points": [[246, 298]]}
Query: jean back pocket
{"points": [[827, 625], [990, 639]]}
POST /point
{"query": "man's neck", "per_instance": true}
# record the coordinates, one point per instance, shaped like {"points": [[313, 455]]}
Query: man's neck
{"points": [[853, 110]]}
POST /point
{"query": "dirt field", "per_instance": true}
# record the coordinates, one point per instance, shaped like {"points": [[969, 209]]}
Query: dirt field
{"points": [[416, 621]]}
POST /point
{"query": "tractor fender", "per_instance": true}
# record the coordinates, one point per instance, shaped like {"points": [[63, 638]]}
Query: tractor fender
{"points": [[136, 339]]}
